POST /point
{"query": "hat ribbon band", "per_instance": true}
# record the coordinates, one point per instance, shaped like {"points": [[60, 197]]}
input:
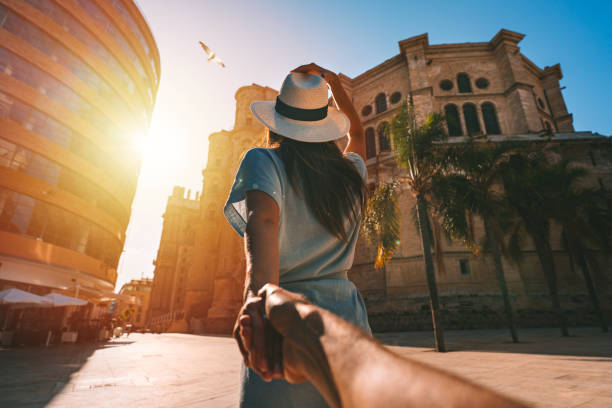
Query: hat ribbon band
{"points": [[291, 112]]}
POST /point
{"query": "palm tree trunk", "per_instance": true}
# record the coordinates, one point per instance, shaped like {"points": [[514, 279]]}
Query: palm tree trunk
{"points": [[548, 265], [434, 302], [494, 244], [588, 279], [576, 255]]}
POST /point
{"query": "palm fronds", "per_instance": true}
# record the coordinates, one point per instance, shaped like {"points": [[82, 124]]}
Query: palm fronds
{"points": [[381, 224]]}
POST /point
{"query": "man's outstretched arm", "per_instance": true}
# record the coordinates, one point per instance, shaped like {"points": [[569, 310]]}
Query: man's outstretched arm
{"points": [[352, 370]]}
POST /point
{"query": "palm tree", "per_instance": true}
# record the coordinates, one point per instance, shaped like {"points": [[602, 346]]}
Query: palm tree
{"points": [[529, 186], [585, 220], [417, 154], [470, 186]]}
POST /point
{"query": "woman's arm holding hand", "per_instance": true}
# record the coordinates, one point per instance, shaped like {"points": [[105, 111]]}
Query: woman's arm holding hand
{"points": [[260, 242], [262, 263], [356, 134]]}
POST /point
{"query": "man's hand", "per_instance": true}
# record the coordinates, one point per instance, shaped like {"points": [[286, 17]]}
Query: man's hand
{"points": [[270, 332], [294, 318]]}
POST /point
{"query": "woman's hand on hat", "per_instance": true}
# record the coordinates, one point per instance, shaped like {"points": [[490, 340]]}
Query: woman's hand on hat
{"points": [[314, 69]]}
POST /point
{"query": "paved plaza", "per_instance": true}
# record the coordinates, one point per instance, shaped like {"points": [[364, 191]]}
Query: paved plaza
{"points": [[178, 370]]}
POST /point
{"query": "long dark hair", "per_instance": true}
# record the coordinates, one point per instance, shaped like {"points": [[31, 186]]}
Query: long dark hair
{"points": [[329, 183]]}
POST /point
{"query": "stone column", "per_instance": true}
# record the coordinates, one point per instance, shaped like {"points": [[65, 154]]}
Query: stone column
{"points": [[563, 120]]}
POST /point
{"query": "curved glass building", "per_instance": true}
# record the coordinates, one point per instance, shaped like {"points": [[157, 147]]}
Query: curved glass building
{"points": [[78, 80]]}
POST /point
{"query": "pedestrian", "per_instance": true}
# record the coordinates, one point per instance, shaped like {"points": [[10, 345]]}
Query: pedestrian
{"points": [[298, 204]]}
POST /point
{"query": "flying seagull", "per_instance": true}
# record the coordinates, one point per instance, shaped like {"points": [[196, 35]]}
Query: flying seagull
{"points": [[211, 55]]}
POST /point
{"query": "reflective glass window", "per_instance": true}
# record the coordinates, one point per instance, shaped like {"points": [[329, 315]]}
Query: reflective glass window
{"points": [[21, 159], [49, 86], [27, 216], [47, 45], [73, 27], [94, 11], [127, 17], [54, 131]]}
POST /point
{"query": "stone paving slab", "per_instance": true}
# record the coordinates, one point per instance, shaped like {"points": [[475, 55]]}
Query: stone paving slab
{"points": [[179, 370]]}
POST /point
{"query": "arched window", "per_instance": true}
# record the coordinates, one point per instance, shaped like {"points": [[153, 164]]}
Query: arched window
{"points": [[471, 119], [383, 137], [381, 102], [490, 119], [452, 120], [463, 83], [370, 143]]}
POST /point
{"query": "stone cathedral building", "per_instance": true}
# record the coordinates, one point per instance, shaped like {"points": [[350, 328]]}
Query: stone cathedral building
{"points": [[488, 89]]}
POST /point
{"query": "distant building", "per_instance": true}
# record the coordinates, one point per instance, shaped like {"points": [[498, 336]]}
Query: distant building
{"points": [[167, 308], [78, 82], [216, 280], [137, 313]]}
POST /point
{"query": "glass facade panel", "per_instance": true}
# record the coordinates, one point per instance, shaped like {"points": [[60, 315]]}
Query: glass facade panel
{"points": [[94, 11], [48, 128], [74, 28], [47, 45], [21, 159], [127, 17], [44, 83], [24, 215]]}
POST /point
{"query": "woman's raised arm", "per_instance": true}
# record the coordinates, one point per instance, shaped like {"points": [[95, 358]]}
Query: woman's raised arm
{"points": [[356, 134]]}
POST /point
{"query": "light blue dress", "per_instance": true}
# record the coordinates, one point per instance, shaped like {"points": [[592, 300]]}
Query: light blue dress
{"points": [[312, 262]]}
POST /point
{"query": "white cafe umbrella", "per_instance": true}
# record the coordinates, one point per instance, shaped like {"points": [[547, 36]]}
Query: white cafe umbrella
{"points": [[61, 300], [17, 297]]}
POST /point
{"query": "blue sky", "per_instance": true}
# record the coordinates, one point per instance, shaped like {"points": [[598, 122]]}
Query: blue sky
{"points": [[260, 41]]}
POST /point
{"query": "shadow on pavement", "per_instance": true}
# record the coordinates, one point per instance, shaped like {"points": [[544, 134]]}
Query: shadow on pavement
{"points": [[32, 376], [583, 342]]}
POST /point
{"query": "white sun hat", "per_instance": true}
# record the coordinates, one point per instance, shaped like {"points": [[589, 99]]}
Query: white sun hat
{"points": [[300, 111]]}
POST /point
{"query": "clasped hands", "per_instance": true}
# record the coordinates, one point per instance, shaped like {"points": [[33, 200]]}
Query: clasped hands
{"points": [[273, 335]]}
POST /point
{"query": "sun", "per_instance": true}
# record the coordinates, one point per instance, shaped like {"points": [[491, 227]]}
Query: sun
{"points": [[162, 148]]}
